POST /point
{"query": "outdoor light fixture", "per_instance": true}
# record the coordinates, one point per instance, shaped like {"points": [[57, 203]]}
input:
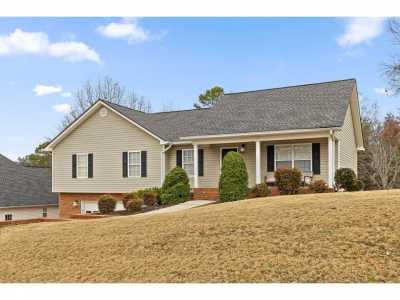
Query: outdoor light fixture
{"points": [[75, 203], [242, 148]]}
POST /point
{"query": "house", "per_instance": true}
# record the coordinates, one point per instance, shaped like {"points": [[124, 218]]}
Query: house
{"points": [[25, 192], [113, 149]]}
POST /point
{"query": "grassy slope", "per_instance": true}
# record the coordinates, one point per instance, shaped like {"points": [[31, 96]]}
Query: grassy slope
{"points": [[343, 237]]}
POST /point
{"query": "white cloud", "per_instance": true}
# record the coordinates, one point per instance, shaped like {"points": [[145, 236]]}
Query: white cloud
{"points": [[73, 52], [62, 108], [66, 94], [127, 29], [37, 43], [383, 92], [361, 30], [41, 89]]}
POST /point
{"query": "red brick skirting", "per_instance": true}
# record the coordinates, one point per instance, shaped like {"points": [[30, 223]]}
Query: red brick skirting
{"points": [[205, 194], [70, 203]]}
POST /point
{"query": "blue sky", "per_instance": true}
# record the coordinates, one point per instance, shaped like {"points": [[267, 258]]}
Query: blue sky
{"points": [[172, 60]]}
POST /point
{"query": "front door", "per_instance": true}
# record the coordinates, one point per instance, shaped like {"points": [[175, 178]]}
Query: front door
{"points": [[225, 151]]}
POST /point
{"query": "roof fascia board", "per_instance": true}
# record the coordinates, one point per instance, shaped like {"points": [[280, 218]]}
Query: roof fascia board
{"points": [[229, 135], [29, 206]]}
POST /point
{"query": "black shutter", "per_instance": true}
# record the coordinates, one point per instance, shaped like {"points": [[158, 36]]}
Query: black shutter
{"points": [[73, 165], [90, 165], [270, 158], [124, 164], [143, 161], [201, 162], [316, 158], [179, 158]]}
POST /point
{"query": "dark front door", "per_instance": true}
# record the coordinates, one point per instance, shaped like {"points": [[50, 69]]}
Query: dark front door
{"points": [[225, 152]]}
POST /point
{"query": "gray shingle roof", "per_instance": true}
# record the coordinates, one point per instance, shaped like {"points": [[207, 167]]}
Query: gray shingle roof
{"points": [[319, 105], [24, 186]]}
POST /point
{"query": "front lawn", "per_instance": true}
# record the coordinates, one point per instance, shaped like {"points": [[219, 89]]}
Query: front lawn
{"points": [[335, 237]]}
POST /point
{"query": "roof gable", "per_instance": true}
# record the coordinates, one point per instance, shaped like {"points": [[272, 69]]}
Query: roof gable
{"points": [[303, 107]]}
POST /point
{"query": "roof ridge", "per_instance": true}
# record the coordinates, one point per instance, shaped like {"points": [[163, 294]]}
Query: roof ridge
{"points": [[123, 106], [291, 86], [173, 111]]}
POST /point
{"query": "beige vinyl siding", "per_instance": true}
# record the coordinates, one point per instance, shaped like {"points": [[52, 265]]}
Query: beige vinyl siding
{"points": [[26, 213], [105, 137], [347, 144], [212, 161]]}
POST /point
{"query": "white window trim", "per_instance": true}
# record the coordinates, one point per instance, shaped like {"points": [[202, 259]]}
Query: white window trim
{"points": [[220, 154], [183, 167], [292, 154], [77, 165], [140, 163]]}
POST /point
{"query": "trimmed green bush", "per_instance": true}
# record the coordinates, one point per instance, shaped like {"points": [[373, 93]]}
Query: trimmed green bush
{"points": [[260, 190], [134, 205], [177, 194], [288, 180], [358, 185], [176, 187], [128, 197], [106, 204], [233, 181], [318, 186], [345, 179]]}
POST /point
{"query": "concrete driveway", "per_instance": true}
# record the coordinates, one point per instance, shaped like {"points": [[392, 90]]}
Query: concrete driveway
{"points": [[179, 207]]}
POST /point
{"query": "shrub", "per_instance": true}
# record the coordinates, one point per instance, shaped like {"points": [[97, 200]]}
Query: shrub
{"points": [[288, 180], [149, 198], [357, 185], [155, 190], [134, 205], [345, 179], [304, 190], [107, 204], [318, 186], [176, 187], [233, 181], [179, 193], [128, 197], [260, 190]]}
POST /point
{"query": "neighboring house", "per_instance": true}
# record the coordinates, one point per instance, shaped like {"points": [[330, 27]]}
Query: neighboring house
{"points": [[113, 149], [25, 192]]}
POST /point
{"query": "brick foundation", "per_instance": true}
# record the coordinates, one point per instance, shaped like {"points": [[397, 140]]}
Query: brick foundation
{"points": [[205, 194], [68, 208]]}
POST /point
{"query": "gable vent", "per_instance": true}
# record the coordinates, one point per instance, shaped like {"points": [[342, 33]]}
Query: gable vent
{"points": [[103, 112]]}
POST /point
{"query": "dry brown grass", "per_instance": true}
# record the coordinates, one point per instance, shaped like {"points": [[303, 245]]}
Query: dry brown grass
{"points": [[342, 237]]}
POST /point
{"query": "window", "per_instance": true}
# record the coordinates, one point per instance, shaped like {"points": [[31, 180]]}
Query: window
{"points": [[283, 156], [44, 212], [188, 161], [302, 157], [8, 217], [297, 156], [82, 165], [134, 164]]}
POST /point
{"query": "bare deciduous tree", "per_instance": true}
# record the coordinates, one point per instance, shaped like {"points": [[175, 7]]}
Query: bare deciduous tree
{"points": [[105, 89], [381, 160], [392, 69]]}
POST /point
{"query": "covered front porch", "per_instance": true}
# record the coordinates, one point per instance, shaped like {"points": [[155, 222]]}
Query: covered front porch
{"points": [[315, 153]]}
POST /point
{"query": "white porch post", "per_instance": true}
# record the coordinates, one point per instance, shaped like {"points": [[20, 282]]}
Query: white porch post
{"points": [[196, 165], [258, 162], [162, 166], [330, 161]]}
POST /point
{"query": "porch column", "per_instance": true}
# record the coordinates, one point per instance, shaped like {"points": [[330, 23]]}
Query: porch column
{"points": [[258, 162], [330, 161], [162, 165], [196, 165]]}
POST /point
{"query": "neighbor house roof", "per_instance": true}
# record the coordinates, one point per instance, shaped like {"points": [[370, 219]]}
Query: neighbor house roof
{"points": [[24, 186], [319, 105]]}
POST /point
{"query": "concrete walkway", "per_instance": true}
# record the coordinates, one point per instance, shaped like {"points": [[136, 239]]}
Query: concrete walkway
{"points": [[179, 207]]}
